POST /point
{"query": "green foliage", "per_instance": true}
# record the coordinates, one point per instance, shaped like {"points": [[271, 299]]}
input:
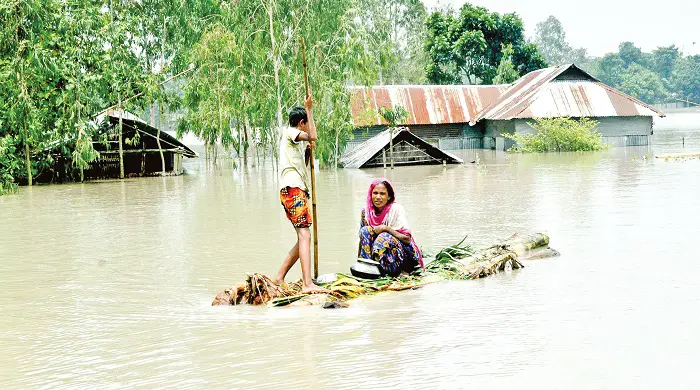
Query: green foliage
{"points": [[630, 54], [660, 76], [249, 69], [207, 94], [398, 33], [506, 73], [10, 164], [394, 116], [611, 69], [665, 60], [468, 46], [550, 38], [643, 84], [558, 135], [656, 77], [686, 78]]}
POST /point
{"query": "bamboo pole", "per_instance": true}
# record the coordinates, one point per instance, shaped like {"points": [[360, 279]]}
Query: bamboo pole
{"points": [[313, 169]]}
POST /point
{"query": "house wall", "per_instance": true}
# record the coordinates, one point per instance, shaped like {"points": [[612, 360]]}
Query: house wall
{"points": [[487, 134], [493, 138], [607, 126]]}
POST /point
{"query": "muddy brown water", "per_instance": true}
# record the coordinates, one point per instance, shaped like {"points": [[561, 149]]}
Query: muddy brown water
{"points": [[109, 284]]}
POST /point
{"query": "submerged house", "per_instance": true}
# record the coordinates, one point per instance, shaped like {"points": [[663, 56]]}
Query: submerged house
{"points": [[140, 148], [408, 149], [475, 117]]}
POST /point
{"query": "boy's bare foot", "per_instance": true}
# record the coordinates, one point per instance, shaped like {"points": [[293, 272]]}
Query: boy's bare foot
{"points": [[279, 282], [312, 289]]}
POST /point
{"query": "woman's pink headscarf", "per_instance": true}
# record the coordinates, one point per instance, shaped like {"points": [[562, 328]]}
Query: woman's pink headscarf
{"points": [[375, 219]]}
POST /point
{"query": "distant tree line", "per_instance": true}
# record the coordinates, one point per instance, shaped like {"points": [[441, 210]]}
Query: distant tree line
{"points": [[663, 75]]}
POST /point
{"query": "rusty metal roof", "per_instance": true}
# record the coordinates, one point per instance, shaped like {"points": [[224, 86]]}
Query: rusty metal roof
{"points": [[363, 154], [426, 104], [562, 91]]}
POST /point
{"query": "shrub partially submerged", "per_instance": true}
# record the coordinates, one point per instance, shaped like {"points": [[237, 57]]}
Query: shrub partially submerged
{"points": [[559, 135]]}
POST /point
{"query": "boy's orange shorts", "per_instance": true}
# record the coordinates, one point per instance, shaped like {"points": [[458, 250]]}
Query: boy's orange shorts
{"points": [[296, 205]]}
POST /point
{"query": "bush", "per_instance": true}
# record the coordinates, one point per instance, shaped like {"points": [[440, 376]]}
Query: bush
{"points": [[559, 135]]}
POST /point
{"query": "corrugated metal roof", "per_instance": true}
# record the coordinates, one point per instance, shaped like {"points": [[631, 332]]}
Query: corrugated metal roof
{"points": [[364, 152], [561, 91], [426, 104]]}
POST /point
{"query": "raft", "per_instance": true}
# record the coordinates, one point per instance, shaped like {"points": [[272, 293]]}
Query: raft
{"points": [[456, 262]]}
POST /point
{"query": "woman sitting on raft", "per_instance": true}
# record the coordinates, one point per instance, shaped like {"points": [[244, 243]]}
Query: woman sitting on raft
{"points": [[384, 233]]}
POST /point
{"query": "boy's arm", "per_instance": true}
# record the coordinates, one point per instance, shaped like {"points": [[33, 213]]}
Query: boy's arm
{"points": [[311, 135]]}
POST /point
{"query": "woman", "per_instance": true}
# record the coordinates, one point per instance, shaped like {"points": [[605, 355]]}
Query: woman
{"points": [[384, 233]]}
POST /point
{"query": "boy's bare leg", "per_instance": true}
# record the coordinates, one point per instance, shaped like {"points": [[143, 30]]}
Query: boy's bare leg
{"points": [[304, 241], [287, 264]]}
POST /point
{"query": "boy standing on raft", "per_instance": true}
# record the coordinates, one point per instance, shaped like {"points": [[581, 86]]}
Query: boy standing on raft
{"points": [[297, 139]]}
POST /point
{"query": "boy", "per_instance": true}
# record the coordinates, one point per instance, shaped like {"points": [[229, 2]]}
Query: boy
{"points": [[294, 189]]}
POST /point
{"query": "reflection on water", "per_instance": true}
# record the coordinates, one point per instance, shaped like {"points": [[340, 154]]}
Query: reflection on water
{"points": [[108, 284]]}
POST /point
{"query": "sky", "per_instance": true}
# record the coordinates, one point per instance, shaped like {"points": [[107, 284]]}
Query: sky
{"points": [[600, 25]]}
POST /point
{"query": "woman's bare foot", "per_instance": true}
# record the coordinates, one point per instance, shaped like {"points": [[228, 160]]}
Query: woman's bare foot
{"points": [[313, 289]]}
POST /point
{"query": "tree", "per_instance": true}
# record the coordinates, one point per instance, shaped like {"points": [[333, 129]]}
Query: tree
{"points": [[611, 69], [686, 78], [26, 66], [506, 72], [208, 94], [629, 53], [643, 84], [664, 60], [550, 38], [394, 117], [399, 32], [264, 74], [467, 47]]}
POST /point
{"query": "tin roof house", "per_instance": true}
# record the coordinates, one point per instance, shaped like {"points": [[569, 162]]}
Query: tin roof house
{"points": [[474, 117]]}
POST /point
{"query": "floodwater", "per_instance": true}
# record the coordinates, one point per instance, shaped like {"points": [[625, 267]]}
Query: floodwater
{"points": [[109, 284]]}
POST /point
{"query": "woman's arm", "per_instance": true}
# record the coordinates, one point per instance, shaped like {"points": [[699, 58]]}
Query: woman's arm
{"points": [[404, 238]]}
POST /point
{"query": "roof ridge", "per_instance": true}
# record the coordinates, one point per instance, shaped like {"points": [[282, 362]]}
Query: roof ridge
{"points": [[554, 73]]}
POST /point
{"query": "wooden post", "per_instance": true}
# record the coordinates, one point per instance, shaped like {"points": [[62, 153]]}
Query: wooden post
{"points": [[160, 148], [391, 147], [313, 169], [121, 150]]}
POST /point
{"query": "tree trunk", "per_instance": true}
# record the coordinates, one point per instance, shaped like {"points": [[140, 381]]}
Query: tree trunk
{"points": [[153, 115], [121, 150], [246, 144], [26, 154], [337, 147], [276, 66]]}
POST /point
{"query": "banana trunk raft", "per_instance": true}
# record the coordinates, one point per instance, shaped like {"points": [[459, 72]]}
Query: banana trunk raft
{"points": [[456, 262]]}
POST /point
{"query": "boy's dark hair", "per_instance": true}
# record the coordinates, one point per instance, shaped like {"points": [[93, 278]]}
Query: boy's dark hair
{"points": [[296, 115]]}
